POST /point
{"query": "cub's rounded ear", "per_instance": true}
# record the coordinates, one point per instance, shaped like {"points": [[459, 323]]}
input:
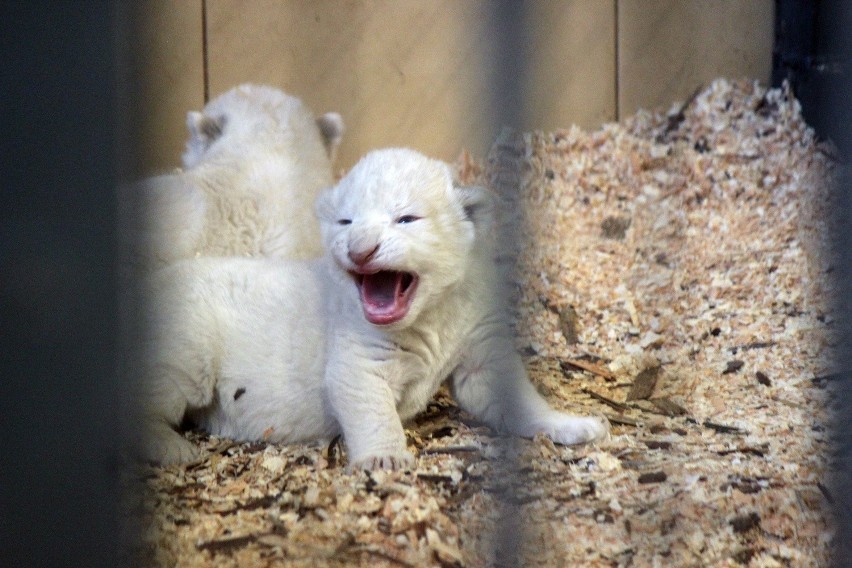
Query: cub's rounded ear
{"points": [[203, 128], [478, 203], [331, 128], [203, 131]]}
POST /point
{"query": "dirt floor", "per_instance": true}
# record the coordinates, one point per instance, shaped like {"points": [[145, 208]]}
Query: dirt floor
{"points": [[675, 280]]}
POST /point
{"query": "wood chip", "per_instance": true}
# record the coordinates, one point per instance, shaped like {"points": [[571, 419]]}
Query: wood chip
{"points": [[763, 379], [668, 406], [224, 545], [579, 364], [653, 477], [644, 383], [744, 450], [744, 523], [333, 452], [723, 428], [568, 324], [622, 420], [608, 401], [452, 450], [752, 345], [615, 227]]}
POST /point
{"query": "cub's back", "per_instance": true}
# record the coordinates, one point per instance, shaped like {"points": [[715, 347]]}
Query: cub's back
{"points": [[240, 299]]}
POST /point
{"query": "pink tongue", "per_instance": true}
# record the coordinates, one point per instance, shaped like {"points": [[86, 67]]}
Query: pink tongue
{"points": [[386, 295], [381, 290]]}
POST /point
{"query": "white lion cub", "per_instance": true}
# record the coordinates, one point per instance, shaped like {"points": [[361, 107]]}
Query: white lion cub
{"points": [[255, 160], [355, 342]]}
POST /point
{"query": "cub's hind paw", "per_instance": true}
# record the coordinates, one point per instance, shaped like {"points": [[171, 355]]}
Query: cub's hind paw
{"points": [[398, 461]]}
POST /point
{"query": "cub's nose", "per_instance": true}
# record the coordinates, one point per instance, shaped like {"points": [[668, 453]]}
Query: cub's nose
{"points": [[363, 256]]}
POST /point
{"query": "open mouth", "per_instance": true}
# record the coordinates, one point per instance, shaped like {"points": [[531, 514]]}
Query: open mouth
{"points": [[386, 295]]}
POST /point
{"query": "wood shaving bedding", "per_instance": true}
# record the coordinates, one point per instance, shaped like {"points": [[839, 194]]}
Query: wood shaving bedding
{"points": [[673, 278]]}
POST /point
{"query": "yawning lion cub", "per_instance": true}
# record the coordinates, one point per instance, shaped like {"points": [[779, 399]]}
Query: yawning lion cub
{"points": [[355, 342]]}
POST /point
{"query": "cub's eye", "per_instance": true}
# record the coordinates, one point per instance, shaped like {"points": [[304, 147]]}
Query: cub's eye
{"points": [[344, 221], [407, 219]]}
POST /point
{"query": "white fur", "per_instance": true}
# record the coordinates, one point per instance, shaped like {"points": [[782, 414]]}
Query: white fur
{"points": [[281, 350], [255, 160]]}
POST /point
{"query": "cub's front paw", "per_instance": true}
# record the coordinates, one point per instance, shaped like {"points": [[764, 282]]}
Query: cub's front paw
{"points": [[569, 430], [394, 461], [164, 446]]}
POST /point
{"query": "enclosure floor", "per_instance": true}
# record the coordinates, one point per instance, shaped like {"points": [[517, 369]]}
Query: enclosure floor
{"points": [[675, 280]]}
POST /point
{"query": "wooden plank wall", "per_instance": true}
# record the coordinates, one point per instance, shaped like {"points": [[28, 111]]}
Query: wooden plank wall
{"points": [[166, 55], [421, 74]]}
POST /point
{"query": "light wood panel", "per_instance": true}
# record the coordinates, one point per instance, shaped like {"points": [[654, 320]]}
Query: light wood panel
{"points": [[400, 73], [166, 56], [422, 74], [571, 79], [667, 48], [418, 74]]}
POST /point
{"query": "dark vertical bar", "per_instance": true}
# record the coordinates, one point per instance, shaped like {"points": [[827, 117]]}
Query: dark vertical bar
{"points": [[204, 50], [794, 39], [813, 50], [812, 53], [509, 34], [59, 460], [827, 103], [840, 466], [617, 78]]}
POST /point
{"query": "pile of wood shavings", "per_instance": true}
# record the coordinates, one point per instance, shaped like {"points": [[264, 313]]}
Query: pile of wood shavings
{"points": [[673, 279]]}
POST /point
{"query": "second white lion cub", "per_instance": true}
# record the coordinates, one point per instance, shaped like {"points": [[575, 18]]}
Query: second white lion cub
{"points": [[255, 160], [356, 342]]}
